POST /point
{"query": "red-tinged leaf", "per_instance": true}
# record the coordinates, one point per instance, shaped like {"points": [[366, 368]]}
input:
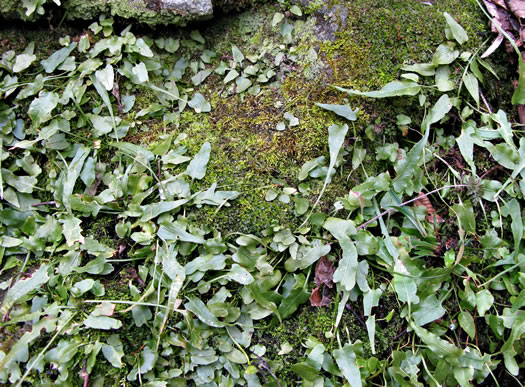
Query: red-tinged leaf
{"points": [[319, 298], [517, 7], [324, 273], [423, 201], [316, 298]]}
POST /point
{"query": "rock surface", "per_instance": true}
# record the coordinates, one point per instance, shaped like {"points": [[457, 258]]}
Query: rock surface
{"points": [[330, 18], [191, 7], [153, 12]]}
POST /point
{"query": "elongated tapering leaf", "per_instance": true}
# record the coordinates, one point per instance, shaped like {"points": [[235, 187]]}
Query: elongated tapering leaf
{"points": [[371, 299], [371, 329], [41, 108], [346, 271], [106, 77], [467, 323], [406, 169], [428, 310], [102, 322], [444, 54], [50, 64], [457, 31], [1, 179], [73, 172], [237, 54], [347, 361], [466, 217], [199, 104], [240, 275], [72, 230], [101, 90], [440, 347], [438, 112], [513, 209], [404, 283], [309, 166], [391, 89], [150, 211], [471, 83], [197, 167], [336, 138], [23, 287], [518, 98], [173, 232], [24, 184], [259, 296], [309, 257], [504, 127], [290, 303], [424, 69], [23, 61], [174, 270], [341, 110], [113, 351], [466, 146], [200, 77], [201, 311], [47, 324], [134, 151]]}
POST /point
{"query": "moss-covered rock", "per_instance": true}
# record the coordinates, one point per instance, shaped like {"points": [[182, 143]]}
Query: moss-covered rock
{"points": [[144, 11], [152, 12]]}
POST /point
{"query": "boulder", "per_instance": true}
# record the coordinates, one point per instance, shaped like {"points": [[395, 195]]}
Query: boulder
{"points": [[178, 12], [152, 12]]}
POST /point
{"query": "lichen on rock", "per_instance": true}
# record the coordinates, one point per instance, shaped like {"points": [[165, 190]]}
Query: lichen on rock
{"points": [[153, 12]]}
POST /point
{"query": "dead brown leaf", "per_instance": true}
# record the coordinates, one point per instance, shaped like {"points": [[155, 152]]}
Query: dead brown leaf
{"points": [[507, 19], [521, 113], [494, 45], [92, 191], [324, 273], [504, 18], [318, 299], [424, 201], [116, 94], [501, 3], [517, 7]]}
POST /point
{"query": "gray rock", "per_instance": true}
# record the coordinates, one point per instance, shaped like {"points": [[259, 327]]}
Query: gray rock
{"points": [[330, 18], [191, 7], [153, 12]]}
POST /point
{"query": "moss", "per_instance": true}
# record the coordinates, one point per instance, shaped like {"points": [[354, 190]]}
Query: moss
{"points": [[250, 175], [248, 153], [46, 42], [367, 56], [247, 150], [102, 229], [318, 323], [308, 321]]}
